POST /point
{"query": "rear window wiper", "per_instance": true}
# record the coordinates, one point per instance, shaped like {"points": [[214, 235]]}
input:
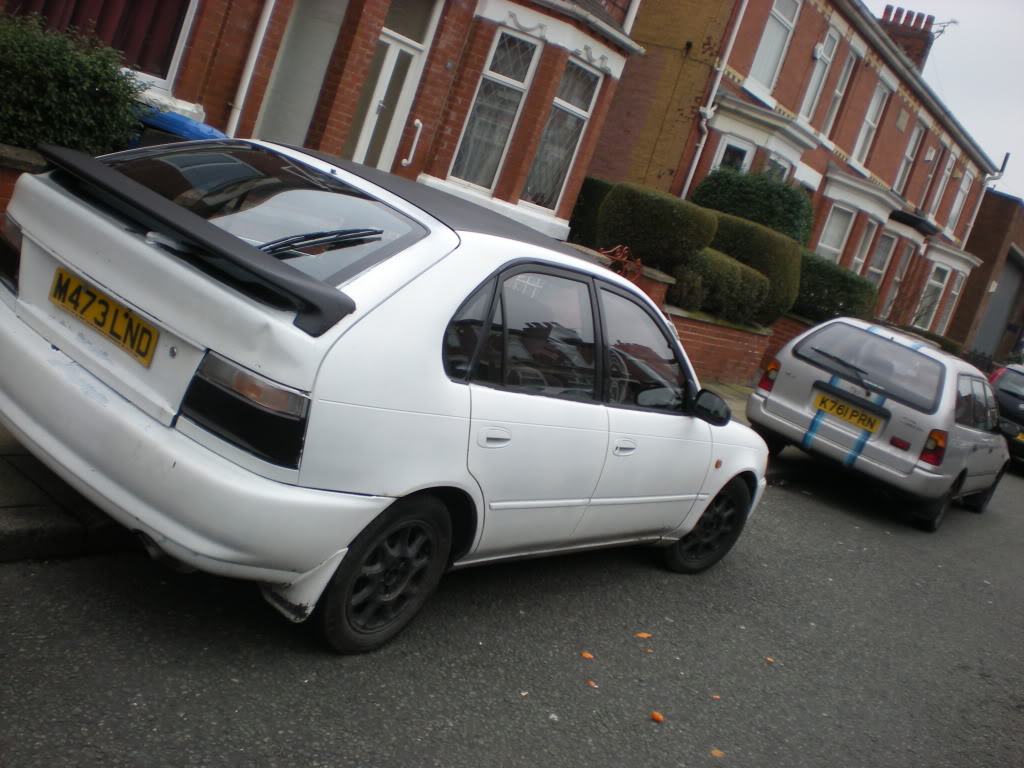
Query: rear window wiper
{"points": [[858, 371], [327, 237]]}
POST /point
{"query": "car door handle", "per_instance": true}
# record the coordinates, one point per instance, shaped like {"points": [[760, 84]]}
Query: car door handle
{"points": [[624, 447], [493, 437]]}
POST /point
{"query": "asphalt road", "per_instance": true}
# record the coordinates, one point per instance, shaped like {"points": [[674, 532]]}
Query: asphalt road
{"points": [[834, 635]]}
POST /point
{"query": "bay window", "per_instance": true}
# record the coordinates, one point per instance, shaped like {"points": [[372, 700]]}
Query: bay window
{"points": [[894, 287], [931, 297], [833, 237], [954, 295], [880, 258], [865, 245], [733, 153]]}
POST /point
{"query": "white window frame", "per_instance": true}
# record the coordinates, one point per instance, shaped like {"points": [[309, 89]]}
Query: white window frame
{"points": [[954, 296], [790, 26], [872, 119], [940, 189], [839, 93], [875, 273], [726, 140], [780, 162], [846, 235], [524, 87], [823, 64], [909, 157], [576, 111], [861, 256], [901, 270], [166, 84], [919, 319], [958, 202]]}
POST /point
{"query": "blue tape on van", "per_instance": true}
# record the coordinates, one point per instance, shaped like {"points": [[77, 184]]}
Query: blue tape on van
{"points": [[816, 421], [865, 435]]}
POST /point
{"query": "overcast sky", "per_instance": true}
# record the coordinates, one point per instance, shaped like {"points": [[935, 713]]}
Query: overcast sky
{"points": [[977, 68]]}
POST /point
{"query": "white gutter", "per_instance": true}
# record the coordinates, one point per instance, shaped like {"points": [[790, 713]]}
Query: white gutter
{"points": [[708, 110], [989, 178], [574, 11], [250, 64], [627, 24]]}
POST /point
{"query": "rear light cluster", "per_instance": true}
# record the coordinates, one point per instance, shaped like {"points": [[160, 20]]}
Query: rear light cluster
{"points": [[768, 376], [260, 416], [934, 450], [10, 251]]}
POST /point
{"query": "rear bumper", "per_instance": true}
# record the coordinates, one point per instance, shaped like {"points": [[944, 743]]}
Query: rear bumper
{"points": [[197, 506], [918, 482]]}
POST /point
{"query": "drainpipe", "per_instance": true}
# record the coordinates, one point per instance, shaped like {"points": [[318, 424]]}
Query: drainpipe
{"points": [[989, 178], [708, 110], [250, 64], [627, 23]]}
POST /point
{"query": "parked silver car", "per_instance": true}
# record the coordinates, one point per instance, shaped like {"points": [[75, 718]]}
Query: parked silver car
{"points": [[887, 405]]}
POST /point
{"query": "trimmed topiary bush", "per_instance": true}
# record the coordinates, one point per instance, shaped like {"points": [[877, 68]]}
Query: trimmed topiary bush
{"points": [[828, 290], [945, 344], [758, 197], [584, 218], [775, 256], [719, 285], [63, 88], [662, 230]]}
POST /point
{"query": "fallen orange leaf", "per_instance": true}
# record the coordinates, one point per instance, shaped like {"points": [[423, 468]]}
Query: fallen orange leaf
{"points": [[649, 650], [644, 635], [717, 753], [769, 659], [716, 697], [591, 683], [657, 717], [587, 655]]}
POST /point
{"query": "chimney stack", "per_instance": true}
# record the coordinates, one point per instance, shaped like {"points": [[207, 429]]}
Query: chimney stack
{"points": [[911, 31]]}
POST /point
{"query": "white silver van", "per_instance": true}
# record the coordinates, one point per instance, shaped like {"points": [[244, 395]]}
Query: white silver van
{"points": [[887, 405]]}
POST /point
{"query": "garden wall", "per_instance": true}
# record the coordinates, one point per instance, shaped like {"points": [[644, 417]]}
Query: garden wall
{"points": [[720, 352]]}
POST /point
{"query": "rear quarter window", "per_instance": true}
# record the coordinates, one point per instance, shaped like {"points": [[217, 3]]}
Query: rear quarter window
{"points": [[876, 363]]}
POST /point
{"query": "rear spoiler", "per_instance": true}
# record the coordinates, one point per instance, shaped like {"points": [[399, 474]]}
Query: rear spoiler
{"points": [[244, 267]]}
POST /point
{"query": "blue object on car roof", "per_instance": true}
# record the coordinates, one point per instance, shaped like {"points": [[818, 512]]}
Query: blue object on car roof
{"points": [[179, 125]]}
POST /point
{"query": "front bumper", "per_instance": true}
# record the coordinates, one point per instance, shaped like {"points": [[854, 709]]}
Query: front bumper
{"points": [[919, 482], [198, 507]]}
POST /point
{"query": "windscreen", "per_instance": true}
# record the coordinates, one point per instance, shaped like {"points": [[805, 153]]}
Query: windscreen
{"points": [[1012, 382], [875, 363], [261, 197]]}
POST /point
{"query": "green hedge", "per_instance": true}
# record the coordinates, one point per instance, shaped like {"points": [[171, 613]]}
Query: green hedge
{"points": [[775, 256], [758, 197], [828, 290], [662, 230], [63, 88], [946, 344], [719, 285], [584, 218]]}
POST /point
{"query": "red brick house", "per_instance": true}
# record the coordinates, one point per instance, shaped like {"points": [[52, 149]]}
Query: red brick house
{"points": [[500, 101], [825, 95]]}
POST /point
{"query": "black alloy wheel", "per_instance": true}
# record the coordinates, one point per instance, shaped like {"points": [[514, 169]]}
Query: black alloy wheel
{"points": [[387, 575], [715, 533]]}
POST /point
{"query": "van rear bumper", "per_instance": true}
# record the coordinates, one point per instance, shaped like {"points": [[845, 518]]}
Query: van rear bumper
{"points": [[919, 482]]}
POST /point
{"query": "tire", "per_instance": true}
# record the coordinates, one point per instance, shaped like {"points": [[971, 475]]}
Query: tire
{"points": [[931, 512], [390, 570], [714, 534], [978, 502]]}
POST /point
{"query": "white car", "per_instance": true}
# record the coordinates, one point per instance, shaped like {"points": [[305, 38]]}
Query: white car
{"points": [[279, 366]]}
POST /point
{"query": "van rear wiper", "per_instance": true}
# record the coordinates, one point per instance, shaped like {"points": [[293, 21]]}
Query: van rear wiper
{"points": [[327, 237], [858, 371]]}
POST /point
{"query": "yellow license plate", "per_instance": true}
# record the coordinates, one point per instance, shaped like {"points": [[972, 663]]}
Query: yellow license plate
{"points": [[105, 315], [850, 413]]}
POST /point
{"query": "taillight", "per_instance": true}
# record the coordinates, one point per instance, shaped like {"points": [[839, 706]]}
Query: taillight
{"points": [[934, 450], [997, 374], [248, 410], [899, 442], [768, 376], [10, 251]]}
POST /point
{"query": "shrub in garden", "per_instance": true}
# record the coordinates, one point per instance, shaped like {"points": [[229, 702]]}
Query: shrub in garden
{"points": [[63, 88], [662, 230], [828, 290], [775, 256], [758, 197], [945, 344], [583, 221], [719, 285]]}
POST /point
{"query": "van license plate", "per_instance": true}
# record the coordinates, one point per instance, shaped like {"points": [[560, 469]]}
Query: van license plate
{"points": [[105, 315], [850, 413]]}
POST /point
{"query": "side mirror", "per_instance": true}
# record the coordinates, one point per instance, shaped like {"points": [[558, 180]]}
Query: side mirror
{"points": [[711, 408], [1007, 429]]}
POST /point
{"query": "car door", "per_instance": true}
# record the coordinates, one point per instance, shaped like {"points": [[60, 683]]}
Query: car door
{"points": [[538, 432], [971, 439], [657, 456]]}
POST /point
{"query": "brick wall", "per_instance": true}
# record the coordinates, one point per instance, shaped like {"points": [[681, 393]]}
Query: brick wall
{"points": [[7, 179], [720, 352], [784, 330]]}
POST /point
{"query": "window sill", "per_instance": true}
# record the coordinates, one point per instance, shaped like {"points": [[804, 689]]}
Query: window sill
{"points": [[759, 92], [859, 168]]}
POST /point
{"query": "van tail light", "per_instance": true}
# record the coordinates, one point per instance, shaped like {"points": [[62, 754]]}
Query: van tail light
{"points": [[258, 415], [899, 442], [10, 251], [997, 374], [934, 450], [769, 375]]}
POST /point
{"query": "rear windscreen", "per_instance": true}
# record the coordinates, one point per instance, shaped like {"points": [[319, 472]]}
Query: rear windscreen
{"points": [[1013, 382], [875, 363], [261, 197]]}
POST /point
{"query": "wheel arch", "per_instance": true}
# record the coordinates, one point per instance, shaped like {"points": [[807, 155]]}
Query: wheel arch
{"points": [[463, 512]]}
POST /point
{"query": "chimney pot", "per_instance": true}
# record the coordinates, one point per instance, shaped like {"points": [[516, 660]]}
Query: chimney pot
{"points": [[887, 13], [929, 20], [919, 20], [896, 17]]}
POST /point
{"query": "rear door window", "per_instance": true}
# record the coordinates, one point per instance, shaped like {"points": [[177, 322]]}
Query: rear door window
{"points": [[875, 363]]}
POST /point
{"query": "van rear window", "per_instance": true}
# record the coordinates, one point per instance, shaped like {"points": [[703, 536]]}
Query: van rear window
{"points": [[875, 363]]}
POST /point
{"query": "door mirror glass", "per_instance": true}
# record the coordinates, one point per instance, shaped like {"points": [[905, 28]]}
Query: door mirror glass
{"points": [[711, 408], [662, 398]]}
